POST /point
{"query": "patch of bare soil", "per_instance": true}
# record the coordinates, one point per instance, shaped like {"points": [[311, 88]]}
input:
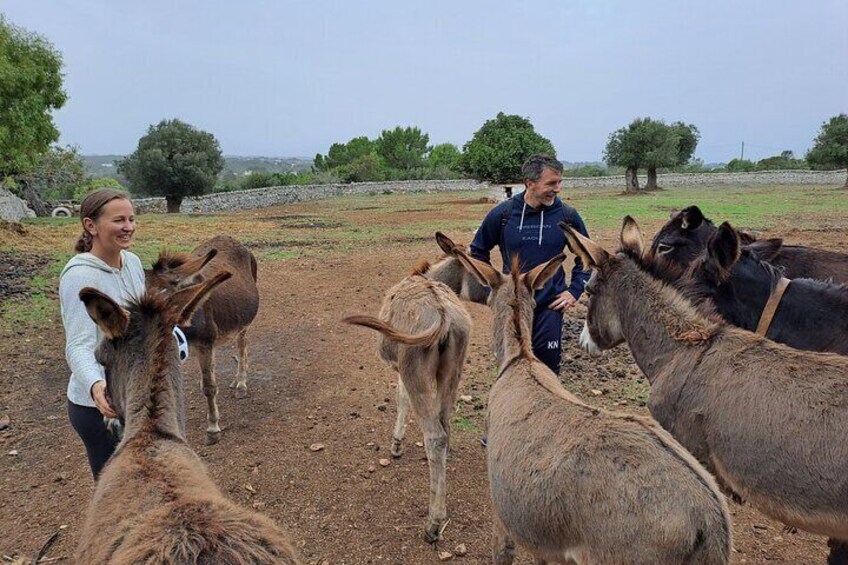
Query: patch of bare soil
{"points": [[16, 271], [315, 380]]}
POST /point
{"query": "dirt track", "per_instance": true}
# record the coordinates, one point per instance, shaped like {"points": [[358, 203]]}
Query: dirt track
{"points": [[315, 380]]}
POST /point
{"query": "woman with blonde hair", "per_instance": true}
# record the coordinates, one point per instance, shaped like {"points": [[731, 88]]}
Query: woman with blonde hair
{"points": [[102, 262]]}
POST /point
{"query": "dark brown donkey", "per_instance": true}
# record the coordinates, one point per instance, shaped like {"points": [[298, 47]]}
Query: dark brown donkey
{"points": [[155, 502], [574, 483], [767, 420], [811, 314], [228, 312], [425, 332], [685, 235]]}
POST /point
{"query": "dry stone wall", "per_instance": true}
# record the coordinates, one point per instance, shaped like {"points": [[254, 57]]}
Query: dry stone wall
{"points": [[275, 195]]}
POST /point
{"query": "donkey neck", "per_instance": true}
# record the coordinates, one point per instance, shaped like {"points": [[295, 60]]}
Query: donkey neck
{"points": [[657, 322], [512, 326], [155, 399]]}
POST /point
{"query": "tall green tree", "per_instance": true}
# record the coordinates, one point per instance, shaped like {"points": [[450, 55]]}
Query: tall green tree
{"points": [[651, 144], [444, 156], [830, 148], [174, 160], [341, 154], [30, 89], [403, 148], [498, 149]]}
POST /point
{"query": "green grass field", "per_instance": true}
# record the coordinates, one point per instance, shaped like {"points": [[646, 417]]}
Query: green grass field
{"points": [[366, 222]]}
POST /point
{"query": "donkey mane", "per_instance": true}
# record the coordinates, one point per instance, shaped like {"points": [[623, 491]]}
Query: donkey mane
{"points": [[149, 307], [678, 311], [170, 260], [422, 268], [518, 328]]}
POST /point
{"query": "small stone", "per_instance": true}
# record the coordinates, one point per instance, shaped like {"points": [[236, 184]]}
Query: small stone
{"points": [[460, 550], [596, 392], [419, 443], [385, 462], [316, 447], [14, 453], [4, 422], [249, 488], [63, 527], [371, 468], [445, 556], [467, 398]]}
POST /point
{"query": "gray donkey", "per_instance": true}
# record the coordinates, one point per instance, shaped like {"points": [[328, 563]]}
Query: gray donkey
{"points": [[577, 484], [768, 420], [155, 502], [425, 333]]}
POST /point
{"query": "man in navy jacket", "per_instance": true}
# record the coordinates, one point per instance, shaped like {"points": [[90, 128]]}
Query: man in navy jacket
{"points": [[527, 225]]}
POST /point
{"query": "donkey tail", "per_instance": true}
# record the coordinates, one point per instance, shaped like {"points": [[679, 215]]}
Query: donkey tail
{"points": [[425, 339]]}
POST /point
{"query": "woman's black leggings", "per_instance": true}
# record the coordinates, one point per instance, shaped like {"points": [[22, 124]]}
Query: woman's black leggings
{"points": [[99, 441]]}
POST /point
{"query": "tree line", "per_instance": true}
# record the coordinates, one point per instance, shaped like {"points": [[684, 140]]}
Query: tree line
{"points": [[177, 160]]}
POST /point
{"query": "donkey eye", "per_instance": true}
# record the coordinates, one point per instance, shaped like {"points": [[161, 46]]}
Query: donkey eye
{"points": [[664, 248]]}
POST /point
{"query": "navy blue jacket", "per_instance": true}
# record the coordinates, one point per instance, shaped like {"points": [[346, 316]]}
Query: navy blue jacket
{"points": [[533, 234]]}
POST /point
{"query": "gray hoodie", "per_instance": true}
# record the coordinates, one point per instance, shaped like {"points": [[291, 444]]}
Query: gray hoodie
{"points": [[81, 333]]}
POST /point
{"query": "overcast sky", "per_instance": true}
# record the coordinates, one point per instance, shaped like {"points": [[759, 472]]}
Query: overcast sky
{"points": [[289, 78]]}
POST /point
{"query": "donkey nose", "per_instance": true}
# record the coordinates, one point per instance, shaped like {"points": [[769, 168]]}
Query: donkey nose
{"points": [[586, 341]]}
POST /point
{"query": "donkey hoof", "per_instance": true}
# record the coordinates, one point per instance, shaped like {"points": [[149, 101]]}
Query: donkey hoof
{"points": [[241, 392], [396, 449], [433, 532], [213, 437]]}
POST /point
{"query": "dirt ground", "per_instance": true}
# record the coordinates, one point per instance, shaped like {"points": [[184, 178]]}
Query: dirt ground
{"points": [[314, 380]]}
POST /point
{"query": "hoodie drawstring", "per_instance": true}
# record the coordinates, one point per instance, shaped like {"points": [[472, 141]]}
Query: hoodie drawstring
{"points": [[521, 224], [541, 224]]}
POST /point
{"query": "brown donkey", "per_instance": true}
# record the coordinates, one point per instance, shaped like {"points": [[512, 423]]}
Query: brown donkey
{"points": [[573, 483], [768, 420], [228, 312], [425, 333], [155, 502]]}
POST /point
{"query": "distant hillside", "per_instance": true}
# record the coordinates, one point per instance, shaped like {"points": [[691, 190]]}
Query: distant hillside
{"points": [[234, 166]]}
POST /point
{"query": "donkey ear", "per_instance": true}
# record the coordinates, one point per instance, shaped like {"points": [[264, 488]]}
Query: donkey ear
{"points": [[723, 247], [691, 218], [538, 276], [631, 237], [109, 317], [191, 267], [766, 249], [483, 272], [185, 302], [592, 254]]}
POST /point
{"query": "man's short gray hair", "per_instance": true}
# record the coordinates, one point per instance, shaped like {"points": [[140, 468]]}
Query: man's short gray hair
{"points": [[534, 166]]}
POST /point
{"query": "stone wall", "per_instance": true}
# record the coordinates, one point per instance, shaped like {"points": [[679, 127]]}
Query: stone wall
{"points": [[832, 178], [275, 195]]}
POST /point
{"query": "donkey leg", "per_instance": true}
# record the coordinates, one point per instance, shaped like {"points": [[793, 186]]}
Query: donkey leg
{"points": [[503, 547], [418, 371], [838, 552], [450, 373], [402, 417], [240, 383], [210, 390]]}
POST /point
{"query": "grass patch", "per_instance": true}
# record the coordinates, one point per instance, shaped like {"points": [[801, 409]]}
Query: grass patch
{"points": [[40, 312], [277, 255], [636, 391], [463, 423]]}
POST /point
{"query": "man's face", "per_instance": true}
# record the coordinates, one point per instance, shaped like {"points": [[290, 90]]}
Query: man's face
{"points": [[544, 189]]}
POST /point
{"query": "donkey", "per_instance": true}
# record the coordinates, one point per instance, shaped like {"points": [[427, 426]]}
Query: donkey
{"points": [[767, 420], [425, 333], [811, 314], [685, 235], [574, 483], [155, 502], [228, 312], [450, 271]]}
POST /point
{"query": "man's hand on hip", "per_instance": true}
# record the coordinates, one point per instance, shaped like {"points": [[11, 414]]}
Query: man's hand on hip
{"points": [[563, 302]]}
